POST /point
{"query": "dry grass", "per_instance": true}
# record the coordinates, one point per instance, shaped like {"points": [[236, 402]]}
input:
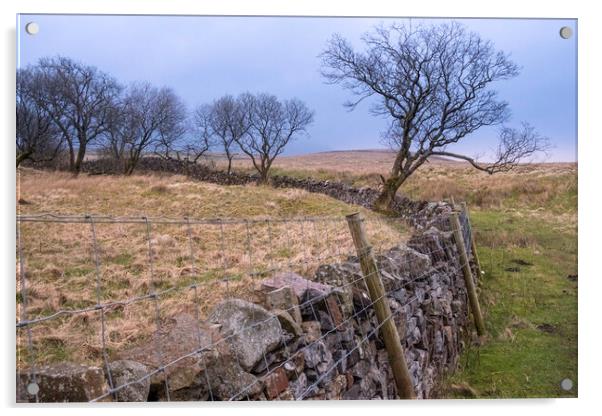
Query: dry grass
{"points": [[227, 259], [548, 186]]}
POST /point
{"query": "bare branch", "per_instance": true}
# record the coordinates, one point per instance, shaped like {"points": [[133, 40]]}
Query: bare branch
{"points": [[515, 146], [434, 85], [272, 125], [78, 98]]}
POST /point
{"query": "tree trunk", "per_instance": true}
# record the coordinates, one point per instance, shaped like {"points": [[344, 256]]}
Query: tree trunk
{"points": [[264, 176], [229, 165], [22, 156], [81, 152], [71, 158], [385, 200], [131, 163]]}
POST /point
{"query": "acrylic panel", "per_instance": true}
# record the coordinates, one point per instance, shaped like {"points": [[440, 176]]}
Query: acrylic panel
{"points": [[221, 208]]}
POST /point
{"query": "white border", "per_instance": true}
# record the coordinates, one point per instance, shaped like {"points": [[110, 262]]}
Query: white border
{"points": [[589, 152]]}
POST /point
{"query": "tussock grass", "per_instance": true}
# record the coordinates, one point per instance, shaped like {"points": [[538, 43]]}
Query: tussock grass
{"points": [[550, 186], [226, 260]]}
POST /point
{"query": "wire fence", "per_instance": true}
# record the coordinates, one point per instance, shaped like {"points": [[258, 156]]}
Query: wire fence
{"points": [[90, 287]]}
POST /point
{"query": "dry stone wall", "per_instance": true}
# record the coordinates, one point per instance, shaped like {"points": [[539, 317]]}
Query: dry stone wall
{"points": [[417, 213], [306, 337]]}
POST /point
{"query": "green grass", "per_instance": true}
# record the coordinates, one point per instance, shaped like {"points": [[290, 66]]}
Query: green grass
{"points": [[531, 310]]}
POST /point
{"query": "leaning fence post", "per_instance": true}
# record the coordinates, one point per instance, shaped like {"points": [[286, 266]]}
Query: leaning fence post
{"points": [[473, 246], [397, 360], [472, 294]]}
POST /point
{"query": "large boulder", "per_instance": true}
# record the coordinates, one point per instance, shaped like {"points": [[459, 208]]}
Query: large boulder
{"points": [[180, 336], [250, 330], [228, 381], [402, 263], [221, 379], [63, 382], [126, 371]]}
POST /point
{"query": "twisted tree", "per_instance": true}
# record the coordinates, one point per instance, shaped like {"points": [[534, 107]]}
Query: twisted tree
{"points": [[434, 85]]}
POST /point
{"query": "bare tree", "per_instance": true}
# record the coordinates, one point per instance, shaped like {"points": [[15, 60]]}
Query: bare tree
{"points": [[78, 98], [38, 139], [146, 117], [201, 138], [230, 122], [272, 125], [434, 85], [223, 123]]}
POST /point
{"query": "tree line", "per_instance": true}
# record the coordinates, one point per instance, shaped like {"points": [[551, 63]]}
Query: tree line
{"points": [[64, 108], [432, 83]]}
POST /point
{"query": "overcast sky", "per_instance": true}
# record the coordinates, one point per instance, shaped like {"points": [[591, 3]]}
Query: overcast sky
{"points": [[202, 58]]}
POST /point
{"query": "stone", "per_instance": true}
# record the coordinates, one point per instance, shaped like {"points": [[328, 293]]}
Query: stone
{"points": [[299, 385], [340, 274], [336, 387], [294, 365], [353, 393], [127, 371], [400, 295], [312, 331], [448, 336], [251, 331], [457, 306], [63, 382], [284, 299], [361, 369], [332, 307], [275, 383], [278, 356], [349, 376], [296, 282], [287, 322], [346, 277], [438, 342], [286, 395], [346, 333], [326, 322], [179, 336], [362, 304], [432, 243], [340, 357], [414, 263], [380, 382], [368, 388], [318, 357], [322, 307], [354, 357], [228, 380]]}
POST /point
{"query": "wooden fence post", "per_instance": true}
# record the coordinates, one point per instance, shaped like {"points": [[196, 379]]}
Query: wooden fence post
{"points": [[473, 246], [470, 287], [403, 380]]}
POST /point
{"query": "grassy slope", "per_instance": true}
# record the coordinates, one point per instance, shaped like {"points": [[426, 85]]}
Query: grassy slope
{"points": [[529, 216], [526, 215], [61, 269], [531, 309]]}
